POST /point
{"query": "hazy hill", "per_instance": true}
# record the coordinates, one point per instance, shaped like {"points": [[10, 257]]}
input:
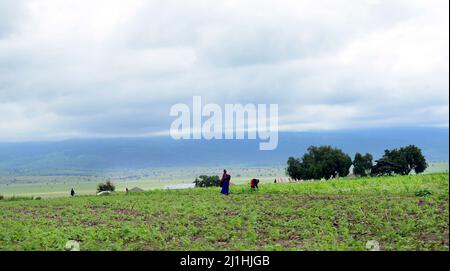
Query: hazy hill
{"points": [[133, 153]]}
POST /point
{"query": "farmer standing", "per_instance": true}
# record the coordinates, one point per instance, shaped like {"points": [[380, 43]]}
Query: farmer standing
{"points": [[72, 192], [225, 183]]}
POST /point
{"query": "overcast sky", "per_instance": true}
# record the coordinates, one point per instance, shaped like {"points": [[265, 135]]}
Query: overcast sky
{"points": [[114, 68]]}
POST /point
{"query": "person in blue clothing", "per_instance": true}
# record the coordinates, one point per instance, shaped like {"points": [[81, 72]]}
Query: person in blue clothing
{"points": [[225, 183]]}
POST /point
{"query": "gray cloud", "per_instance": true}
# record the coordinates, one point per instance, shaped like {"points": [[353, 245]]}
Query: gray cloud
{"points": [[106, 68], [11, 12]]}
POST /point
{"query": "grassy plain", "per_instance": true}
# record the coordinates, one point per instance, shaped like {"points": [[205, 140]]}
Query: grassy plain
{"points": [[60, 185]]}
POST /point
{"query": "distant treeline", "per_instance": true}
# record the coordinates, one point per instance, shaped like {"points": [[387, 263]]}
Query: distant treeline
{"points": [[326, 162]]}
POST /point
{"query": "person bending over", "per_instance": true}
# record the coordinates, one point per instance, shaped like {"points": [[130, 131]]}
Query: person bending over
{"points": [[254, 184]]}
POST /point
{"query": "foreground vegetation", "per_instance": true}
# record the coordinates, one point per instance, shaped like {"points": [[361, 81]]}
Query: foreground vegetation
{"points": [[401, 213]]}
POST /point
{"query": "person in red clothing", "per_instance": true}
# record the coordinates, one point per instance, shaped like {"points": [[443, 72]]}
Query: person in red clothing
{"points": [[254, 184]]}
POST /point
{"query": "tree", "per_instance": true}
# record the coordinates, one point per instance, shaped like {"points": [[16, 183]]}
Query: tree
{"points": [[293, 168], [415, 159], [362, 164], [207, 181], [319, 162], [108, 186], [400, 161]]}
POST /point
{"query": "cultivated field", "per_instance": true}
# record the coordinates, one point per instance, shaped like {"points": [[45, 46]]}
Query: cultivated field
{"points": [[400, 213]]}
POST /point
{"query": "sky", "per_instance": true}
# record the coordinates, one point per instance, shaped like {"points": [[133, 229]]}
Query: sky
{"points": [[110, 68]]}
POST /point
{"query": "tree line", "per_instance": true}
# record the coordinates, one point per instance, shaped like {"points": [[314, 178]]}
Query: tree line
{"points": [[326, 162]]}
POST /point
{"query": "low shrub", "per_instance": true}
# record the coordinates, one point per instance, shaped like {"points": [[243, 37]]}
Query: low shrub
{"points": [[207, 181], [423, 193], [108, 186]]}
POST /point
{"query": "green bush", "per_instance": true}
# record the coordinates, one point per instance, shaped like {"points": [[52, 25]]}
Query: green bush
{"points": [[423, 193], [108, 186], [207, 181], [1, 197]]}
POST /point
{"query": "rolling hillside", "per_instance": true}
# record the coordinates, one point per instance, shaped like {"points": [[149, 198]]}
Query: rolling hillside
{"points": [[85, 155]]}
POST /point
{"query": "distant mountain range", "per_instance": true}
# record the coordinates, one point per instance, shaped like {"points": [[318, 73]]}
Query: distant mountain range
{"points": [[136, 153]]}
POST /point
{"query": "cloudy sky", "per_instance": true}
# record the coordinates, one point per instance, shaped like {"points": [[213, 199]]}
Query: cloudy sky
{"points": [[103, 68]]}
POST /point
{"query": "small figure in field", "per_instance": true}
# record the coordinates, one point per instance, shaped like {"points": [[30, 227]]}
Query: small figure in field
{"points": [[72, 192], [254, 184], [126, 190], [225, 183]]}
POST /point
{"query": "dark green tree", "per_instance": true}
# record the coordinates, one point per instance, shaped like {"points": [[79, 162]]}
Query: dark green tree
{"points": [[414, 158], [319, 162], [293, 168], [362, 164], [400, 161]]}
